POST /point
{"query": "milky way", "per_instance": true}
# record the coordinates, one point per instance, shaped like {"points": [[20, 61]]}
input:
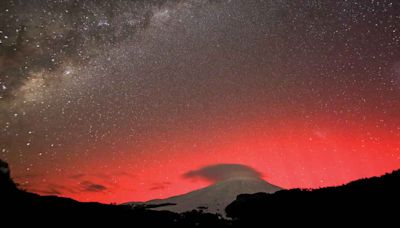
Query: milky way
{"points": [[115, 100]]}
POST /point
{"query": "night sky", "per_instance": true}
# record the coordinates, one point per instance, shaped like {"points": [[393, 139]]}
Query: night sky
{"points": [[118, 101]]}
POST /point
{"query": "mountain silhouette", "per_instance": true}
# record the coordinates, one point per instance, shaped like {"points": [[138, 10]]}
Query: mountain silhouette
{"points": [[21, 208], [375, 199], [364, 202]]}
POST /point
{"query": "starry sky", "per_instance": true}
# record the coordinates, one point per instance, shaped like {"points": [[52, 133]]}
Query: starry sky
{"points": [[117, 101]]}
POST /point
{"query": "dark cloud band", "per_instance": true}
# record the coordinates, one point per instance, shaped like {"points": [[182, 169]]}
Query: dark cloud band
{"points": [[221, 172]]}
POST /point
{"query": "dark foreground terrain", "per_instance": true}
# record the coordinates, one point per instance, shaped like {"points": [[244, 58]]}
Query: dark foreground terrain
{"points": [[365, 201], [360, 202], [19, 207]]}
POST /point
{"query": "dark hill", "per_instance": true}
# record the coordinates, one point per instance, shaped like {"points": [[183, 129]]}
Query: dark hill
{"points": [[374, 199], [19, 207], [364, 202]]}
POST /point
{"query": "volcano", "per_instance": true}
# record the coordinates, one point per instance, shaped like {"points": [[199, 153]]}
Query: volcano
{"points": [[212, 199]]}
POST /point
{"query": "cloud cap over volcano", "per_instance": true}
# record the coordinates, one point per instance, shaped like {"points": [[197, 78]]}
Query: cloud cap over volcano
{"points": [[222, 172]]}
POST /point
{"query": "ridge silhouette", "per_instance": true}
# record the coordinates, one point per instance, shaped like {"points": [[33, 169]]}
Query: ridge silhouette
{"points": [[360, 202]]}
